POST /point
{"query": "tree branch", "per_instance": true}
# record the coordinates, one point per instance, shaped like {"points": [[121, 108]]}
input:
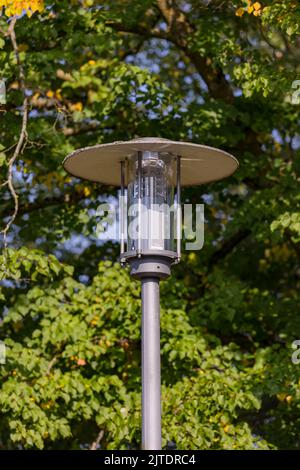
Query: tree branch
{"points": [[23, 133], [228, 246], [96, 442], [51, 364], [47, 202], [179, 29]]}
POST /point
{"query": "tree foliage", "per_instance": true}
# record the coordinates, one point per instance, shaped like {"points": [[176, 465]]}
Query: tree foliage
{"points": [[85, 72]]}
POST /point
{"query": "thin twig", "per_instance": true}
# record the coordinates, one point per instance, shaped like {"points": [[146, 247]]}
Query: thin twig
{"points": [[23, 133], [51, 364], [96, 442]]}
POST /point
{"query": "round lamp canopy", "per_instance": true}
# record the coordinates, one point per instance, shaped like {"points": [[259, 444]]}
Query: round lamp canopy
{"points": [[199, 163]]}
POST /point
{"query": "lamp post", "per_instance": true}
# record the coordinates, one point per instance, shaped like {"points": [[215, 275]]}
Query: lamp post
{"points": [[153, 170]]}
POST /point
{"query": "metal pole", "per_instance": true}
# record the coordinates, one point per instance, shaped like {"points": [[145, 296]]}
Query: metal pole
{"points": [[139, 242], [122, 215], [179, 216], [151, 400]]}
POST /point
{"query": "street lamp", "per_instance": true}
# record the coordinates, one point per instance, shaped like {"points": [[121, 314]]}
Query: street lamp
{"points": [[152, 169]]}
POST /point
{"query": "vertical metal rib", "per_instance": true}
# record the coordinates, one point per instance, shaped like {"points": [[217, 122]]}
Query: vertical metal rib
{"points": [[122, 208], [178, 200], [139, 241]]}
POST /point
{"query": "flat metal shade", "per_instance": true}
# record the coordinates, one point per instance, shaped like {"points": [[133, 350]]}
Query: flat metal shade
{"points": [[199, 163]]}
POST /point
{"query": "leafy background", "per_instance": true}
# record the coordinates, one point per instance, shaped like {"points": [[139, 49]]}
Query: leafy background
{"points": [[85, 72]]}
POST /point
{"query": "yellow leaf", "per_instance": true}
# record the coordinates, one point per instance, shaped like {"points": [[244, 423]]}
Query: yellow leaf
{"points": [[13, 7], [192, 257], [86, 191], [76, 107], [35, 96], [240, 11], [14, 86], [23, 47], [81, 362], [58, 94], [281, 396]]}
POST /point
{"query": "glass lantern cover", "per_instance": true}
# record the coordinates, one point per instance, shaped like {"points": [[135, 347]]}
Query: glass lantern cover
{"points": [[151, 178]]}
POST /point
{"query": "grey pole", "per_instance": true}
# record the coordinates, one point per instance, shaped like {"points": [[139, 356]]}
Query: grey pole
{"points": [[151, 404]]}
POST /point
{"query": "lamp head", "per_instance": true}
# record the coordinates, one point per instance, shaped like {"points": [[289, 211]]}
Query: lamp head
{"points": [[151, 169], [199, 163]]}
